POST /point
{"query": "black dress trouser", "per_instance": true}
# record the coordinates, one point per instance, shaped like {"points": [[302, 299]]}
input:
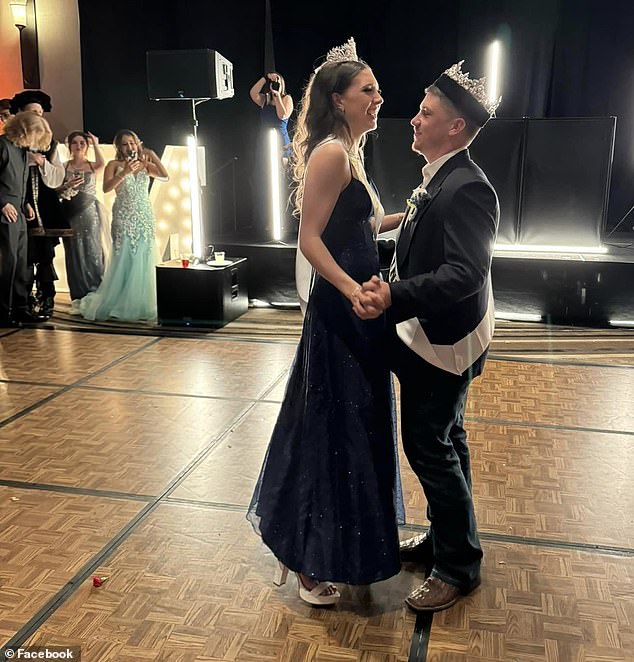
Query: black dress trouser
{"points": [[435, 444], [41, 253], [14, 273]]}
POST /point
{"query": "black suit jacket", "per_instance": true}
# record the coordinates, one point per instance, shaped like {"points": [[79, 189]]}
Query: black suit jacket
{"points": [[13, 175], [444, 263]]}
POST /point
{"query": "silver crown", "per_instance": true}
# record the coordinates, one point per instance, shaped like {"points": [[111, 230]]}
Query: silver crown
{"points": [[475, 87], [347, 52]]}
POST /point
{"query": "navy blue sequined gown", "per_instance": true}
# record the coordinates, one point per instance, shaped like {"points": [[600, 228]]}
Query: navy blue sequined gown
{"points": [[328, 494]]}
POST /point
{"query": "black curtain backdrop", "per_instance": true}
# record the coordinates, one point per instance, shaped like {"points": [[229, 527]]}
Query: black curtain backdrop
{"points": [[562, 58]]}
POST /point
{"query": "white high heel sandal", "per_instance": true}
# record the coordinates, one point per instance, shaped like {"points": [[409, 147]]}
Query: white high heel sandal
{"points": [[313, 596]]}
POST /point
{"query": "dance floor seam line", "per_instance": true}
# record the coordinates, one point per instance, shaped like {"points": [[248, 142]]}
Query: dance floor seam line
{"points": [[574, 364], [181, 335], [75, 384], [421, 528], [10, 332], [51, 606], [612, 550], [545, 426], [264, 400], [168, 394], [42, 615], [236, 507], [215, 336], [26, 382], [218, 335], [420, 637], [275, 384], [211, 505]]}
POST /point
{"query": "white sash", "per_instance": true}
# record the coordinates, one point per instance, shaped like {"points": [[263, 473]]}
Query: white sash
{"points": [[454, 358]]}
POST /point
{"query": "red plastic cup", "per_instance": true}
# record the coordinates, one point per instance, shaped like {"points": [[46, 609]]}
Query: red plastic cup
{"points": [[185, 262]]}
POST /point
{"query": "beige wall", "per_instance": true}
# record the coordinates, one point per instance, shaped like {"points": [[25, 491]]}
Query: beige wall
{"points": [[60, 62], [60, 70], [10, 67], [59, 55]]}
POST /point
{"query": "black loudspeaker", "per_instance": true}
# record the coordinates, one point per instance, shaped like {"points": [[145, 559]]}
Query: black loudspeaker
{"points": [[201, 295], [188, 74]]}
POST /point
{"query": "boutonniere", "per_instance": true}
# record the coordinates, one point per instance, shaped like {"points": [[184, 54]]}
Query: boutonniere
{"points": [[419, 198]]}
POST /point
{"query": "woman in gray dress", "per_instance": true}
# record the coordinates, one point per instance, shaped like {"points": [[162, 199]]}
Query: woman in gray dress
{"points": [[85, 250]]}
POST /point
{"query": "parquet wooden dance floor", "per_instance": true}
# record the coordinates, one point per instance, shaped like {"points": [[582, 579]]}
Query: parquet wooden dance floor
{"points": [[133, 456]]}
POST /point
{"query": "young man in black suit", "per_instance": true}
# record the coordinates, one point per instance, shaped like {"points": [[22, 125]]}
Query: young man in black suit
{"points": [[46, 173], [440, 301]]}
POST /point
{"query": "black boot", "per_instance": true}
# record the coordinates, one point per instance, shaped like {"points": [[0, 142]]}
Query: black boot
{"points": [[33, 304], [25, 317], [47, 306]]}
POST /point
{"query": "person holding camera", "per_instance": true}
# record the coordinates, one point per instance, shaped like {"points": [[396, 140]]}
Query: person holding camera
{"points": [[85, 251], [128, 289], [269, 93]]}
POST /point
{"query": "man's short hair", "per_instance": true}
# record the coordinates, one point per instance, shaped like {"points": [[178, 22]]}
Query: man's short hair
{"points": [[471, 128]]}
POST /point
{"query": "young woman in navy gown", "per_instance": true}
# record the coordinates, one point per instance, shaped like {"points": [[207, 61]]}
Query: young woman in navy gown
{"points": [[328, 499]]}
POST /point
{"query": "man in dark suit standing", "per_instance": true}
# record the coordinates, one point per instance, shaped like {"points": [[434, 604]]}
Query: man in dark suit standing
{"points": [[46, 174], [440, 301], [23, 133]]}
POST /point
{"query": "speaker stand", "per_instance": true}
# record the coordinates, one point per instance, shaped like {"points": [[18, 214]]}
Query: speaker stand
{"points": [[196, 102], [198, 230]]}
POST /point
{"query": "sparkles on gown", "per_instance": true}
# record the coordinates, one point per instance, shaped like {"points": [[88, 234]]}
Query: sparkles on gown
{"points": [[328, 499], [84, 252], [128, 289]]}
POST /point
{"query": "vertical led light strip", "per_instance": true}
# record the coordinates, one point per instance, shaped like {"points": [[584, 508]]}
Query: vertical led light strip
{"points": [[274, 164], [194, 192], [493, 70]]}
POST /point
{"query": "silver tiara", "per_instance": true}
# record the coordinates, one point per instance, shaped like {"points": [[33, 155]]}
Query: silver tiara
{"points": [[347, 52], [475, 87]]}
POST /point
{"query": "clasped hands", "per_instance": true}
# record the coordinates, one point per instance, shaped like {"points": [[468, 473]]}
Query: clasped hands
{"points": [[371, 299]]}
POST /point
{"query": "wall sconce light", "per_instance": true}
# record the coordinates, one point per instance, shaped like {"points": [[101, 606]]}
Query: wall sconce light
{"points": [[24, 19], [18, 12]]}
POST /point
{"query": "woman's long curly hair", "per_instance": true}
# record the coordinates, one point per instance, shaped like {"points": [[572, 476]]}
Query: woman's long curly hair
{"points": [[319, 118], [118, 144], [28, 129]]}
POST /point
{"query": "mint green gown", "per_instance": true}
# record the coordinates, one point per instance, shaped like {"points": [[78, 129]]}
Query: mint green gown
{"points": [[128, 289]]}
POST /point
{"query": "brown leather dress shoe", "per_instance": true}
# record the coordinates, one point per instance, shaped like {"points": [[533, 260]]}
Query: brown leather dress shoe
{"points": [[435, 595], [419, 549]]}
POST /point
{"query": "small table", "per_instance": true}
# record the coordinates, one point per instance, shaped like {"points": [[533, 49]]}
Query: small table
{"points": [[201, 295]]}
